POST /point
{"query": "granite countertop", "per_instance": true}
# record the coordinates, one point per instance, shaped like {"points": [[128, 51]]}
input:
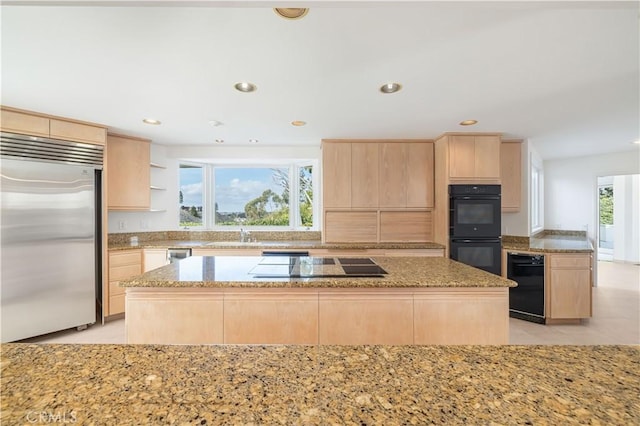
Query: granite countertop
{"points": [[269, 245], [351, 385], [234, 271], [551, 244]]}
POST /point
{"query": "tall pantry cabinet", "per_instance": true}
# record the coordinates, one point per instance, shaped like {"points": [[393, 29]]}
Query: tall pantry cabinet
{"points": [[377, 190]]}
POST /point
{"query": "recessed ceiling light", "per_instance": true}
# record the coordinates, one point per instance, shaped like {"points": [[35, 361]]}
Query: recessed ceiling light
{"points": [[390, 87], [245, 86], [219, 140], [291, 12], [215, 123], [298, 123], [468, 122], [151, 121], [636, 142], [253, 140]]}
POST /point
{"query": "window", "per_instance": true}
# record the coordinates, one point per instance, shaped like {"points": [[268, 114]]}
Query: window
{"points": [[191, 195], [537, 217], [240, 196]]}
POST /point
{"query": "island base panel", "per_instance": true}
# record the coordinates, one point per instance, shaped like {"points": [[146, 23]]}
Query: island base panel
{"points": [[176, 317]]}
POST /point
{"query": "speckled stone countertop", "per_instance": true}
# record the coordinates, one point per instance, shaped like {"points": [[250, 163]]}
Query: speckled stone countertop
{"points": [[550, 243], [270, 245], [234, 271], [346, 385]]}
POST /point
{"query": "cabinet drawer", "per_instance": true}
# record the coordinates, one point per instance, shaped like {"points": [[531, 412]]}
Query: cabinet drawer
{"points": [[115, 289], [571, 261], [123, 272], [129, 257], [116, 304]]}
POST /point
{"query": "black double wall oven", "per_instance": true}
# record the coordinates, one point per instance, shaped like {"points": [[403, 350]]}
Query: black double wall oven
{"points": [[475, 227]]}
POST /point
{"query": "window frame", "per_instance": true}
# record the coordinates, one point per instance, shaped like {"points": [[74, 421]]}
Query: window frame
{"points": [[536, 184], [293, 166]]}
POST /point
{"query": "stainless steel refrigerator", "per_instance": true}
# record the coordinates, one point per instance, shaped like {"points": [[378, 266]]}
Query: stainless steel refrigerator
{"points": [[50, 235]]}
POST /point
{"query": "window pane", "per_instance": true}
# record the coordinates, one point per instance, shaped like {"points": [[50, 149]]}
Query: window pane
{"points": [[251, 196], [191, 212], [305, 206]]}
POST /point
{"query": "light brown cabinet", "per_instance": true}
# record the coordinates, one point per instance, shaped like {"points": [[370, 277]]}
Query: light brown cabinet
{"points": [[406, 175], [123, 264], [364, 174], [569, 286], [154, 258], [28, 123], [511, 175], [474, 157], [336, 175], [128, 173], [368, 184]]}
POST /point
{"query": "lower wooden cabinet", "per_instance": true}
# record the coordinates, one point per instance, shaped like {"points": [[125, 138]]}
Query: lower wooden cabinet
{"points": [[154, 258], [569, 286], [318, 316], [276, 316], [123, 264], [365, 318]]}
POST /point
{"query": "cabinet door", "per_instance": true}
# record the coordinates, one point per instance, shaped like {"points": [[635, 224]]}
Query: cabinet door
{"points": [[336, 175], [155, 258], [409, 226], [511, 175], [128, 173], [420, 175], [462, 157], [364, 174], [570, 293], [487, 157], [18, 122], [393, 174], [351, 227], [79, 132]]}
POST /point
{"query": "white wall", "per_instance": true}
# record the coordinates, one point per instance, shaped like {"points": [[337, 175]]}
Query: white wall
{"points": [[571, 188], [626, 218]]}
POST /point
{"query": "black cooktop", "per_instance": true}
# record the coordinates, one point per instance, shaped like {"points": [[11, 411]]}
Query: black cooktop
{"points": [[316, 267]]}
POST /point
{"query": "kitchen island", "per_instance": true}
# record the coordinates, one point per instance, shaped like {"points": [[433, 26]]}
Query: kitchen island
{"points": [[373, 385], [202, 300]]}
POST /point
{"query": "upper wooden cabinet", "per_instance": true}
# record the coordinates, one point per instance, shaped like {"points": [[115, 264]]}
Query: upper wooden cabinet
{"points": [[367, 184], [406, 174], [128, 173], [511, 175], [384, 174], [470, 157], [336, 175], [364, 174], [31, 123], [474, 157]]}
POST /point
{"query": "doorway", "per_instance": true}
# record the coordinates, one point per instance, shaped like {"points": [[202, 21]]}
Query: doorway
{"points": [[619, 218]]}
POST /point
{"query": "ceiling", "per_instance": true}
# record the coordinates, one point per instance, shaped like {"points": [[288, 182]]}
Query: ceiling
{"points": [[564, 75]]}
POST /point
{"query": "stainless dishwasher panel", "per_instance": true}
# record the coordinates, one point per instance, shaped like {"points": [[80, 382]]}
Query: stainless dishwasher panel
{"points": [[176, 254]]}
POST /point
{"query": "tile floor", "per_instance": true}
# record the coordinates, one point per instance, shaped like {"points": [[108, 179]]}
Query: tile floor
{"points": [[616, 318]]}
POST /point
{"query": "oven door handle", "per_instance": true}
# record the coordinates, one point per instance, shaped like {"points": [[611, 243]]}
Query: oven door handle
{"points": [[474, 198]]}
